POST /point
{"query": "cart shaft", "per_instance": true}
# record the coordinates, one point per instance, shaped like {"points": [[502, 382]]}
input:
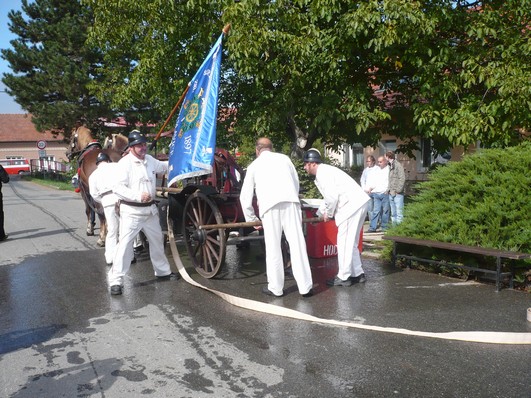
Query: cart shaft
{"points": [[246, 224]]}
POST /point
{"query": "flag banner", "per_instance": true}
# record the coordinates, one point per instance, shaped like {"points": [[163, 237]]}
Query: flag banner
{"points": [[194, 139]]}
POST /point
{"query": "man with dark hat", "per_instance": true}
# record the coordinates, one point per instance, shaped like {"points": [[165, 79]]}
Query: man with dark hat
{"points": [[347, 203], [136, 190], [101, 183]]}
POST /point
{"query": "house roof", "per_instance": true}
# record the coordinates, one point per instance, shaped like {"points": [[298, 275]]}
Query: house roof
{"points": [[19, 128]]}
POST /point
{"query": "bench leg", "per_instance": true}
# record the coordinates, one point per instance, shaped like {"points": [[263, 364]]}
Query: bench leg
{"points": [[393, 256], [498, 272]]}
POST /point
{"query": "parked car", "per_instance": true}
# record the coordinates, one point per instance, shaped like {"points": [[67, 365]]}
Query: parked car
{"points": [[16, 166]]}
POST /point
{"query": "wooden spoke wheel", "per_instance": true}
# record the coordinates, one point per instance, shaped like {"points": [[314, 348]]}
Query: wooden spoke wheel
{"points": [[206, 247]]}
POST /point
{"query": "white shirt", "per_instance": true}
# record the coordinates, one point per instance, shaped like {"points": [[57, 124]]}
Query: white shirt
{"points": [[275, 180], [366, 177], [379, 180], [136, 176], [102, 181], [342, 195]]}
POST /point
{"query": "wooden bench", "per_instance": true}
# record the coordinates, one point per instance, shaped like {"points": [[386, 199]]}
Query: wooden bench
{"points": [[498, 254]]}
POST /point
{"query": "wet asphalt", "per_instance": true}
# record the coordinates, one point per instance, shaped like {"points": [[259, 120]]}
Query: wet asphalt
{"points": [[62, 334]]}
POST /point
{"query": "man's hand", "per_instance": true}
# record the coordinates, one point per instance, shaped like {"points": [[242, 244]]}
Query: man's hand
{"points": [[145, 197]]}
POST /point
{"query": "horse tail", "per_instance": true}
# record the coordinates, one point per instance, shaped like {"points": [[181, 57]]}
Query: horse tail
{"points": [[89, 200]]}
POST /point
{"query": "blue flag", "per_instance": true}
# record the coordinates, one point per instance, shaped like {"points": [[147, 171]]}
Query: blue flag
{"points": [[194, 139]]}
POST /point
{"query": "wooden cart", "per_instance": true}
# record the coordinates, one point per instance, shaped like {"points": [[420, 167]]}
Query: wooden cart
{"points": [[206, 210]]}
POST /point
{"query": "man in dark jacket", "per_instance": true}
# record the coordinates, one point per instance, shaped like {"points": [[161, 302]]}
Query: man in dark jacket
{"points": [[397, 181], [4, 178]]}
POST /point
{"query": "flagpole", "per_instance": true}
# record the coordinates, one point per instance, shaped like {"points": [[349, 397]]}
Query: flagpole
{"points": [[225, 31], [177, 105]]}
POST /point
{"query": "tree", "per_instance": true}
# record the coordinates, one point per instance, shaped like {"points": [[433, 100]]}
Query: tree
{"points": [[52, 66], [331, 70], [150, 56], [456, 72], [473, 77]]}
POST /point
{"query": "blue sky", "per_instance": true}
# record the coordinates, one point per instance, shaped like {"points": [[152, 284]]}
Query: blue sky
{"points": [[7, 104]]}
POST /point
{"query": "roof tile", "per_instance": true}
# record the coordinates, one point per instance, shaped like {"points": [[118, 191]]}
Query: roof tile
{"points": [[19, 128]]}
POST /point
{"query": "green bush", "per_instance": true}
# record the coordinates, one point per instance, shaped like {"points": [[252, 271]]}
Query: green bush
{"points": [[482, 200]]}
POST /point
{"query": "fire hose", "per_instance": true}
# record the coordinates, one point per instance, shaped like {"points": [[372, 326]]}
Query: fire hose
{"points": [[512, 338]]}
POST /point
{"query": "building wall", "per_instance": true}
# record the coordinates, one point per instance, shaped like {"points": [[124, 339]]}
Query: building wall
{"points": [[54, 150], [416, 169]]}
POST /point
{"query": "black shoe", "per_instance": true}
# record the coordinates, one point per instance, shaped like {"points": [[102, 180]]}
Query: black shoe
{"points": [[116, 290], [4, 238], [371, 231], [268, 292], [309, 294], [358, 279], [170, 277], [338, 282]]}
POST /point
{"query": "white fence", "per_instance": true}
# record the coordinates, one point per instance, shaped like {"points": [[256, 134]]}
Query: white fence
{"points": [[51, 166]]}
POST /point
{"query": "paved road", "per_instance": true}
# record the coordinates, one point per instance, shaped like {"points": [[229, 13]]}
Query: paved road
{"points": [[62, 334]]}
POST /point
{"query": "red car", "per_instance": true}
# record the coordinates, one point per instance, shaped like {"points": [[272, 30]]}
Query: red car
{"points": [[16, 166]]}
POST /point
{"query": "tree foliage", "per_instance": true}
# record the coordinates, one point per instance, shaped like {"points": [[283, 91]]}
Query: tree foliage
{"points": [[338, 71], [52, 65], [150, 56], [474, 74]]}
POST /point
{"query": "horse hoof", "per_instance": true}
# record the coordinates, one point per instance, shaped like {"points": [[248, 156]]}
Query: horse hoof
{"points": [[100, 243], [90, 233]]}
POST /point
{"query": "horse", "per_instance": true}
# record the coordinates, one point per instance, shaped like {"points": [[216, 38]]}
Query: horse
{"points": [[86, 148], [117, 142]]}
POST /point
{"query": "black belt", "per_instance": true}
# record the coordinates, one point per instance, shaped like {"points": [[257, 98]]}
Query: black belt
{"points": [[137, 204], [105, 193]]}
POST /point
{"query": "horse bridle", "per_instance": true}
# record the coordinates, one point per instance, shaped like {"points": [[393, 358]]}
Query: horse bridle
{"points": [[73, 145], [80, 153]]}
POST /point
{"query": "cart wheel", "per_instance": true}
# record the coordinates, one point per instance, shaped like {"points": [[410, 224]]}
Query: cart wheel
{"points": [[206, 248]]}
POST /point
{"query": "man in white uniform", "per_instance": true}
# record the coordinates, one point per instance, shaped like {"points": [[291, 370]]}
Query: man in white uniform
{"points": [[276, 183], [101, 182], [136, 189], [347, 203]]}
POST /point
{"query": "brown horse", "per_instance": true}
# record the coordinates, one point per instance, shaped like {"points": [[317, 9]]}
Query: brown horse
{"points": [[117, 142], [86, 148]]}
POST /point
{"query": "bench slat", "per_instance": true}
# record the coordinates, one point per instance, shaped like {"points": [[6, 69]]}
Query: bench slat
{"points": [[458, 247]]}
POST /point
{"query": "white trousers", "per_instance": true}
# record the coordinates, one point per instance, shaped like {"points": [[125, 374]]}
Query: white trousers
{"points": [[111, 240], [130, 226], [348, 236], [287, 217]]}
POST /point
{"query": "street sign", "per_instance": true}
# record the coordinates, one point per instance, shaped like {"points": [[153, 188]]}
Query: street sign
{"points": [[41, 144], [42, 153]]}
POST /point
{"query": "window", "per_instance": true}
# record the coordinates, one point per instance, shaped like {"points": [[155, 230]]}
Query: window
{"points": [[353, 156], [388, 145], [425, 152]]}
